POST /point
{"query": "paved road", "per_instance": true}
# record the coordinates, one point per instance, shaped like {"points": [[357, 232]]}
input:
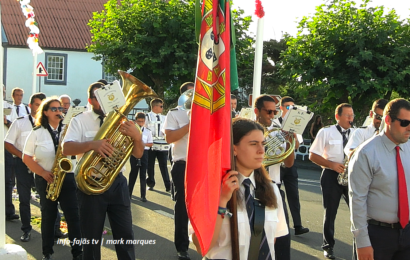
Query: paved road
{"points": [[152, 220]]}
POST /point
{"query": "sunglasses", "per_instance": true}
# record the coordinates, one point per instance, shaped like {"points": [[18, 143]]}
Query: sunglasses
{"points": [[377, 116], [54, 109], [270, 111], [403, 123]]}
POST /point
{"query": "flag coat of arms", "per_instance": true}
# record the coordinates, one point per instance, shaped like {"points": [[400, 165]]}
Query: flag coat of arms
{"points": [[209, 137]]}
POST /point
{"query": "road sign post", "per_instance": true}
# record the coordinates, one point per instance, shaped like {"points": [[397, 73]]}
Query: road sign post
{"points": [[41, 72]]}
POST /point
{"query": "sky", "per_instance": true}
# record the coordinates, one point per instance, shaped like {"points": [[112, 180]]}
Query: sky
{"points": [[283, 15]]}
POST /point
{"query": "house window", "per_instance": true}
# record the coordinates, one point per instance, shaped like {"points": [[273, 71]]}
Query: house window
{"points": [[110, 77], [56, 65]]}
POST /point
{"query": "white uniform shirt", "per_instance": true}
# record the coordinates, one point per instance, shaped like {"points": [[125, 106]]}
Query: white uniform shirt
{"points": [[7, 105], [177, 118], [146, 137], [19, 131], [22, 111], [329, 144], [151, 122], [275, 226], [83, 128], [40, 145], [358, 137]]}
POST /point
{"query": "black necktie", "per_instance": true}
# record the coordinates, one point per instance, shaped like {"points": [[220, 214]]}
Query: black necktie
{"points": [[101, 120], [343, 133], [264, 250], [159, 125], [56, 137], [18, 110], [280, 119]]}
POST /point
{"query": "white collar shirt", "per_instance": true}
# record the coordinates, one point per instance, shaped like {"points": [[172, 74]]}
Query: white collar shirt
{"points": [[155, 125], [329, 144], [176, 119], [23, 110], [8, 117], [40, 145], [275, 226], [359, 136], [18, 132], [146, 137]]}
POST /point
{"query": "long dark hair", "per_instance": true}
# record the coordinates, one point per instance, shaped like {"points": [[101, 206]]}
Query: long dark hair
{"points": [[316, 123], [41, 118], [264, 191]]}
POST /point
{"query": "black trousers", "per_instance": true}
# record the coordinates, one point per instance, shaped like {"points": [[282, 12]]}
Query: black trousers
{"points": [[282, 245], [289, 177], [9, 181], [134, 173], [181, 240], [69, 205], [162, 157], [25, 180], [385, 243], [115, 202], [331, 195]]}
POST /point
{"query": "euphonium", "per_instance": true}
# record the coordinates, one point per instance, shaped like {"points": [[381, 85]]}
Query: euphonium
{"points": [[274, 150], [61, 166], [93, 164]]}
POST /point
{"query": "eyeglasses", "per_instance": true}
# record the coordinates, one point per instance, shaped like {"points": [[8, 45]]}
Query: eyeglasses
{"points": [[270, 111], [377, 116], [348, 116], [54, 109], [403, 123], [160, 106]]}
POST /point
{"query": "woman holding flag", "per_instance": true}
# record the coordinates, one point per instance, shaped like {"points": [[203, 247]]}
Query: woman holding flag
{"points": [[260, 212]]}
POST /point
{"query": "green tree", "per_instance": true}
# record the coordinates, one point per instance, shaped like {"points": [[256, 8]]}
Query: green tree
{"points": [[156, 39], [345, 53]]}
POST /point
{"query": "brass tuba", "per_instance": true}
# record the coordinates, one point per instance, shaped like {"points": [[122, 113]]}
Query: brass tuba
{"points": [[61, 166], [95, 174], [274, 150]]}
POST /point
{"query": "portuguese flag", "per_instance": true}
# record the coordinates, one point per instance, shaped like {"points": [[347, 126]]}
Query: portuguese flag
{"points": [[209, 143]]}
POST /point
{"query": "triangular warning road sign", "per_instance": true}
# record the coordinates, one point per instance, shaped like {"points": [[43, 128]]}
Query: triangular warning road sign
{"points": [[41, 70]]}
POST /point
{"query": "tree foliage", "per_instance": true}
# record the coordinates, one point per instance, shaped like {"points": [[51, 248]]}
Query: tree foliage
{"points": [[155, 39], [345, 53]]}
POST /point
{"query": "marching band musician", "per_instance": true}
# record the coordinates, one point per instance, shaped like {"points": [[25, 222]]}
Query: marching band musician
{"points": [[176, 128], [140, 164], [363, 133], [115, 202], [19, 109], [39, 156], [253, 183], [289, 176], [154, 122], [327, 152], [265, 110], [14, 143]]}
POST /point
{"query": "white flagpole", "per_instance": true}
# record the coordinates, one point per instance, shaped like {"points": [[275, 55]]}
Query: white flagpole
{"points": [[257, 71], [34, 87]]}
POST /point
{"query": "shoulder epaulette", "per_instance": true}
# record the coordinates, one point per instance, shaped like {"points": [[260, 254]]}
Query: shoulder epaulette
{"points": [[20, 117], [174, 109], [363, 127], [327, 126], [273, 182], [37, 127], [78, 114]]}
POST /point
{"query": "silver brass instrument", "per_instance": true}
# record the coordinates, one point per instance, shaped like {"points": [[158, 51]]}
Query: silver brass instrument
{"points": [[95, 174], [343, 178], [61, 166]]}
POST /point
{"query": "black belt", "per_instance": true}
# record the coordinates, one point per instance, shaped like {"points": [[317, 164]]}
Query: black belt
{"points": [[382, 224], [180, 162]]}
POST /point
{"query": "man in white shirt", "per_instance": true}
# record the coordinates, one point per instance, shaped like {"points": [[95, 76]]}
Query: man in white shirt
{"points": [[65, 102], [363, 133], [176, 128], [19, 109], [140, 164], [14, 143], [265, 110], [327, 152], [154, 122], [115, 202]]}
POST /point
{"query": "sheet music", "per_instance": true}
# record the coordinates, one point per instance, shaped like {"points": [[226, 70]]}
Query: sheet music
{"points": [[73, 111], [110, 97], [296, 119]]}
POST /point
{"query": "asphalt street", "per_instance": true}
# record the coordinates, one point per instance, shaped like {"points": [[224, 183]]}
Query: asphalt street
{"points": [[153, 223]]}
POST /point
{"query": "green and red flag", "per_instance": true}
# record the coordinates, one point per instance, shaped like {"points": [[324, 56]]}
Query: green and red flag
{"points": [[209, 143]]}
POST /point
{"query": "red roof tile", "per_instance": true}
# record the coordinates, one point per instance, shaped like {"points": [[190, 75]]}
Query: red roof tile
{"points": [[62, 23]]}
